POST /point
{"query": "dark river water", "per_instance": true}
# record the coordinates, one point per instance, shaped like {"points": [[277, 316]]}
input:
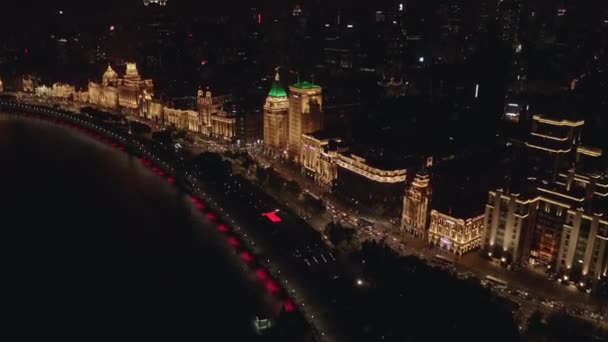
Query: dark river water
{"points": [[95, 247]]}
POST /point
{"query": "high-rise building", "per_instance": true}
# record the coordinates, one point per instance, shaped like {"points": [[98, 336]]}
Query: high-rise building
{"points": [[557, 220], [416, 205], [554, 141], [1, 85], [158, 2], [509, 15], [509, 217], [305, 114], [276, 121], [318, 157]]}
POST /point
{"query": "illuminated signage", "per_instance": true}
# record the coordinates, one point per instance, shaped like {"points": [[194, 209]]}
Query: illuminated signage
{"points": [[272, 216]]}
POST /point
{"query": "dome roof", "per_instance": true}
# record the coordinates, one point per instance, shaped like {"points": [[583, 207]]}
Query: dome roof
{"points": [[110, 73]]}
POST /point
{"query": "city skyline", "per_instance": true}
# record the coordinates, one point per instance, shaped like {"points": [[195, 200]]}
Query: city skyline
{"points": [[461, 142]]}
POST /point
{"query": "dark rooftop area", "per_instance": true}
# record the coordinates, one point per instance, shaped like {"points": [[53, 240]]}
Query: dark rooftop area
{"points": [[561, 106]]}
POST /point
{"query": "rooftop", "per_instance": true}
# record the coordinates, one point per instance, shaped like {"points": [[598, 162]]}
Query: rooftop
{"points": [[277, 90], [325, 134], [562, 106], [381, 159], [306, 85]]}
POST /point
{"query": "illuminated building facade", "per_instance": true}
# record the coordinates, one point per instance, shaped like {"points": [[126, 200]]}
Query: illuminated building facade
{"points": [[184, 119], [133, 90], [318, 157], [42, 91], [27, 84], [62, 90], [559, 223], [508, 223], [305, 108], [457, 235], [106, 94], [1, 85], [151, 110], [205, 117], [223, 126], [81, 96], [416, 205], [554, 141], [129, 92], [276, 122]]}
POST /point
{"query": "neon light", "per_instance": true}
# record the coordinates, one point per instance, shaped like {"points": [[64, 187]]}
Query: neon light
{"points": [[289, 305], [247, 257], [272, 216], [262, 274], [272, 286], [560, 122], [233, 241]]}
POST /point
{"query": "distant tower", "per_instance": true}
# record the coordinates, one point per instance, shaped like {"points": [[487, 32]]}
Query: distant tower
{"points": [[157, 2], [110, 77], [276, 110], [416, 205], [305, 113]]}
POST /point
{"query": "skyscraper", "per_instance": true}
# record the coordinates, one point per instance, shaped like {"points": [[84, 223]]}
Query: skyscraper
{"points": [[159, 2], [276, 122], [305, 108]]}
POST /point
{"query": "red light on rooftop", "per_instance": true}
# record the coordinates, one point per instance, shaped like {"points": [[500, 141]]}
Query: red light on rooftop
{"points": [[190, 35], [272, 216], [222, 228]]}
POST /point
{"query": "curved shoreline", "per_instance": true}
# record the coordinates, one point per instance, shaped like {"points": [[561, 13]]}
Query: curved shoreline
{"points": [[234, 238]]}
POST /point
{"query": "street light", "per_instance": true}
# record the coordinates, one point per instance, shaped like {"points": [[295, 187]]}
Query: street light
{"points": [[359, 282]]}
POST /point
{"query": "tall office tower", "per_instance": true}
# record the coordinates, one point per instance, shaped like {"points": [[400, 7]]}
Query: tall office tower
{"points": [[276, 122], [305, 108], [509, 15], [416, 206], [158, 2], [555, 139]]}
